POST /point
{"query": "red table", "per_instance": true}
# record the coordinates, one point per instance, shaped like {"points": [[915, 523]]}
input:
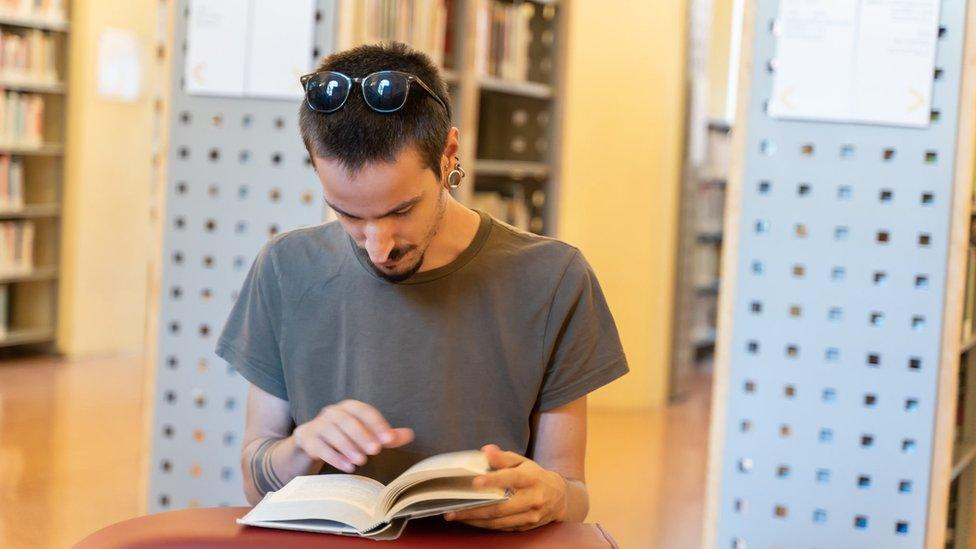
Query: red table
{"points": [[215, 527]]}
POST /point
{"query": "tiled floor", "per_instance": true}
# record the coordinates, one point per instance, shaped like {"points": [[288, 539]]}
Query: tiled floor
{"points": [[71, 440]]}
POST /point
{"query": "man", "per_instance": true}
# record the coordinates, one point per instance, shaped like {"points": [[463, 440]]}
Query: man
{"points": [[413, 325]]}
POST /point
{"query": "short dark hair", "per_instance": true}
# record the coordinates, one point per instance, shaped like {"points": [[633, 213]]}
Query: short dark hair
{"points": [[356, 134]]}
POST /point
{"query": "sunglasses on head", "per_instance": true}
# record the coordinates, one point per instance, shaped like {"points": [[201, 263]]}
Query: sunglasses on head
{"points": [[383, 91]]}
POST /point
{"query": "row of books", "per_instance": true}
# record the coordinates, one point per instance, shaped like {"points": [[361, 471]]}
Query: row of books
{"points": [[510, 208], [969, 304], [16, 246], [424, 24], [21, 118], [40, 9], [11, 182], [710, 205], [27, 56], [504, 36]]}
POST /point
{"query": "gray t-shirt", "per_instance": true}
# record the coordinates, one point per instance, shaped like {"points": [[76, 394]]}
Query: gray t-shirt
{"points": [[462, 354]]}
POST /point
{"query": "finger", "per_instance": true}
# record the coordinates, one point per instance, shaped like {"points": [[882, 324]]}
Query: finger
{"points": [[504, 478], [513, 506], [318, 449], [498, 459], [371, 418], [526, 518], [365, 440], [401, 436], [334, 436]]}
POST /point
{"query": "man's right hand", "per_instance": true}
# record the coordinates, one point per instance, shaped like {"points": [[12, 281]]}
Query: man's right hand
{"points": [[343, 434]]}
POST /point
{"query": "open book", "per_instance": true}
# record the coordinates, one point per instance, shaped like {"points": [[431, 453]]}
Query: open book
{"points": [[360, 506]]}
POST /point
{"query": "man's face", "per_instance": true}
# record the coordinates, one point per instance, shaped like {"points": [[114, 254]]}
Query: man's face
{"points": [[392, 211]]}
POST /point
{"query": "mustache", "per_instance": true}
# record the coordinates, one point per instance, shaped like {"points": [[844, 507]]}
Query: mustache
{"points": [[397, 253]]}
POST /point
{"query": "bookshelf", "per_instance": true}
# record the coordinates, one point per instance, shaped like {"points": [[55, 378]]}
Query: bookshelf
{"points": [[33, 58], [501, 60]]}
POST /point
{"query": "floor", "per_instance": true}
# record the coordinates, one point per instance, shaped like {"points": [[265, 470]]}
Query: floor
{"points": [[71, 439]]}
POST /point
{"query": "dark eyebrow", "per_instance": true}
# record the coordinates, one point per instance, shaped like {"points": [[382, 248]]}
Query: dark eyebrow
{"points": [[400, 206]]}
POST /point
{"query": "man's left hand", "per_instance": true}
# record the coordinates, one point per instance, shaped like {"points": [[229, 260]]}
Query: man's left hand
{"points": [[538, 495]]}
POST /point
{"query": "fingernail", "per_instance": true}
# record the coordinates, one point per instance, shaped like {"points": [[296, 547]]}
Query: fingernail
{"points": [[373, 448], [449, 516], [359, 458]]}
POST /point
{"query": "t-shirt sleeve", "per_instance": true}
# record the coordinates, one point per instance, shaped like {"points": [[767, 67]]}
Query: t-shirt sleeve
{"points": [[582, 346], [249, 341]]}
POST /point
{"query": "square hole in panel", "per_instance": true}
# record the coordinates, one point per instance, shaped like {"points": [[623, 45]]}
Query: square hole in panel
{"points": [[762, 226], [822, 476], [752, 347], [755, 307], [819, 515], [867, 440], [800, 230], [803, 189], [744, 465], [908, 445], [915, 363], [931, 157], [879, 277], [785, 430], [901, 527], [780, 511], [826, 435], [927, 198], [918, 323], [757, 267], [767, 147], [764, 186], [905, 487], [739, 505], [876, 318], [888, 154], [789, 391], [807, 149], [792, 351], [841, 232], [829, 395], [795, 311], [885, 196], [745, 426], [883, 237], [911, 404], [847, 151], [832, 354], [838, 273], [860, 522], [798, 270], [834, 314], [870, 400], [864, 481], [782, 471], [749, 386], [934, 115], [921, 281], [924, 239], [874, 359], [844, 192]]}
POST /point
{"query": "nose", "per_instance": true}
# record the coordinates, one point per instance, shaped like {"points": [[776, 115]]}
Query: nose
{"points": [[379, 242]]}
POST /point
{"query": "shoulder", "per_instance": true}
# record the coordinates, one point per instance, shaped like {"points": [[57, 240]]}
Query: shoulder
{"points": [[533, 255], [316, 249]]}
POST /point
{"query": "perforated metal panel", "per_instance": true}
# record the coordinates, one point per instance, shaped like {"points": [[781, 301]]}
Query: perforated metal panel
{"points": [[237, 174], [836, 327]]}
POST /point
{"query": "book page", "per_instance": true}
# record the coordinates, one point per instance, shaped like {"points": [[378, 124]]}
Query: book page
{"points": [[473, 461], [355, 489], [437, 495]]}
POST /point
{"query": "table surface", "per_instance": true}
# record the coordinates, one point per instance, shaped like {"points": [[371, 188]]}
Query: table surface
{"points": [[211, 527]]}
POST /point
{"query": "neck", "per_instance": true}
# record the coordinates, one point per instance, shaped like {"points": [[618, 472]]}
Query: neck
{"points": [[458, 228]]}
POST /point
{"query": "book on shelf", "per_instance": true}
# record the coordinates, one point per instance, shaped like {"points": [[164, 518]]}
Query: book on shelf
{"points": [[21, 119], [512, 209], [969, 301], [36, 9], [355, 505], [503, 38], [11, 182], [16, 246], [27, 56], [421, 23]]}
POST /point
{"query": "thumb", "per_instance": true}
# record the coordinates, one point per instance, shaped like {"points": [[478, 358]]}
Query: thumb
{"points": [[499, 459], [401, 436]]}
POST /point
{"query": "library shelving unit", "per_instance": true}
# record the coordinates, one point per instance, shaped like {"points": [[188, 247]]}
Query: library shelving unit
{"points": [[502, 62], [33, 63]]}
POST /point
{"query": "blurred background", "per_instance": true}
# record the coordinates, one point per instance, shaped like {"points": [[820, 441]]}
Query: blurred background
{"points": [[148, 149]]}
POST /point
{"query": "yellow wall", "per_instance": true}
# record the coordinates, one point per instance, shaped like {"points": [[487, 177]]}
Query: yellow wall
{"points": [[621, 159], [718, 57], [105, 247]]}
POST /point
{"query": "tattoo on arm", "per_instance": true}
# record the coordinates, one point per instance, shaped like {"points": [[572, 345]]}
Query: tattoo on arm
{"points": [[262, 473]]}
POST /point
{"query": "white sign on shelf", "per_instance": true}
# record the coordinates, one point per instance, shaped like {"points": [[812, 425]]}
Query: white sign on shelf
{"points": [[248, 48], [867, 61]]}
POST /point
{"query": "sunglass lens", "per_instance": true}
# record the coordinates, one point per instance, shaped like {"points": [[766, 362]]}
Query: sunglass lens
{"points": [[326, 92], [385, 91]]}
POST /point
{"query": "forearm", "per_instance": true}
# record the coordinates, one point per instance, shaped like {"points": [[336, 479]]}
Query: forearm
{"points": [[577, 501], [268, 463]]}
